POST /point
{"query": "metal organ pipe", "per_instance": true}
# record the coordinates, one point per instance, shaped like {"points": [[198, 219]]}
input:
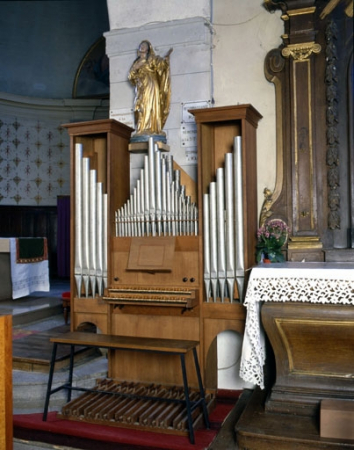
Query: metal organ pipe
{"points": [[93, 230], [85, 222], [223, 230], [164, 196], [220, 210], [90, 229], [146, 195], [99, 241], [229, 233], [213, 241], [78, 218], [165, 208], [105, 238], [239, 244], [206, 245]]}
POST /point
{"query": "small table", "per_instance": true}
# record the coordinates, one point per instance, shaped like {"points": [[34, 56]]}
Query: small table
{"points": [[167, 346]]}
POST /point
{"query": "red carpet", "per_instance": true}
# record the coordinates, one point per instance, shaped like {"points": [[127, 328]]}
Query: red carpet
{"points": [[98, 437], [21, 333]]}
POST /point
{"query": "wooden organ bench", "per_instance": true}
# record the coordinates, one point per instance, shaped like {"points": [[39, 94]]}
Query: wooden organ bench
{"points": [[154, 345]]}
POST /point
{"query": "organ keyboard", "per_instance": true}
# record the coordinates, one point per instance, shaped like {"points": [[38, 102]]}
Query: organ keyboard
{"points": [[154, 296]]}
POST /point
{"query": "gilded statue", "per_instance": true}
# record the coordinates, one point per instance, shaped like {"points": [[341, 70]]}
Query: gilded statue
{"points": [[266, 212], [150, 74]]}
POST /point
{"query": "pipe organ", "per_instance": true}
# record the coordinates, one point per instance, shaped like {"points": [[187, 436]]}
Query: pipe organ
{"points": [[167, 258]]}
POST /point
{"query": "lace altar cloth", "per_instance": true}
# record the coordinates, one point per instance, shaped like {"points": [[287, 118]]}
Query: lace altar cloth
{"points": [[27, 278], [282, 282]]}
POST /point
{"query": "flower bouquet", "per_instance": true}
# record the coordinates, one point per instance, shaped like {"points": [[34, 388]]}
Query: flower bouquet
{"points": [[271, 238]]}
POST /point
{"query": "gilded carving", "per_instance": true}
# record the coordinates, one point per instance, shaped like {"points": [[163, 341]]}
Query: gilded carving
{"points": [[275, 61], [332, 155], [333, 199], [333, 220], [304, 242], [332, 114], [331, 73], [266, 212], [333, 177], [271, 5], [332, 134], [301, 51], [333, 4]]}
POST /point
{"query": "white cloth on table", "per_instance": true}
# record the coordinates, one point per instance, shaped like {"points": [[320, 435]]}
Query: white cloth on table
{"points": [[282, 282], [29, 277]]}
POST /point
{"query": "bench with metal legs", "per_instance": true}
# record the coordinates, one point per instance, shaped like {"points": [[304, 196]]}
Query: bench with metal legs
{"points": [[111, 342]]}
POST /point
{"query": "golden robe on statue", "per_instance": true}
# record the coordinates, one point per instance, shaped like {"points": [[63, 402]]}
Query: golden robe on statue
{"points": [[150, 74]]}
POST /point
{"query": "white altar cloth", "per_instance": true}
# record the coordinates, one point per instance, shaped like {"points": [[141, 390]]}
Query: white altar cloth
{"points": [[282, 282], [29, 277]]}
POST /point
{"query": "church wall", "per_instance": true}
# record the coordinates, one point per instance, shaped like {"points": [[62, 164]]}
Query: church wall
{"points": [[219, 50], [34, 148], [244, 32]]}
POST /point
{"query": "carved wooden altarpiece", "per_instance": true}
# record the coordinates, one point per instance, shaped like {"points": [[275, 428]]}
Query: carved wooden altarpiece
{"points": [[314, 194], [313, 76]]}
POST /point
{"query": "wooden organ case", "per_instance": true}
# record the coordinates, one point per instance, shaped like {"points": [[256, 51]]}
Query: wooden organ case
{"points": [[154, 285]]}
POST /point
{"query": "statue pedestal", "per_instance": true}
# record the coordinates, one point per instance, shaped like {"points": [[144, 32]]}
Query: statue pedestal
{"points": [[142, 147]]}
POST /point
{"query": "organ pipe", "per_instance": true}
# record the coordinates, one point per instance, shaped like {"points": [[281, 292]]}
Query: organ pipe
{"points": [[206, 245], [165, 209], [93, 230], [213, 241], [85, 222], [105, 238], [220, 211], [239, 244], [90, 229], [78, 218], [230, 235], [99, 241], [223, 230]]}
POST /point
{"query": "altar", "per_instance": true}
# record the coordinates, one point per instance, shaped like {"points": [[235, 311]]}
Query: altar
{"points": [[22, 276], [302, 315]]}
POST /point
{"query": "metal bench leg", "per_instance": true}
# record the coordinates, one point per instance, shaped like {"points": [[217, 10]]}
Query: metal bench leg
{"points": [[71, 370], [188, 403], [201, 388], [50, 380]]}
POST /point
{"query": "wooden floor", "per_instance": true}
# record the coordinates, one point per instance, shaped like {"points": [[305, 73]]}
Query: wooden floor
{"points": [[33, 352]]}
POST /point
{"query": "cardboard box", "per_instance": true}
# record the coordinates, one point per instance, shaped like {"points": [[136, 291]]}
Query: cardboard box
{"points": [[337, 419]]}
